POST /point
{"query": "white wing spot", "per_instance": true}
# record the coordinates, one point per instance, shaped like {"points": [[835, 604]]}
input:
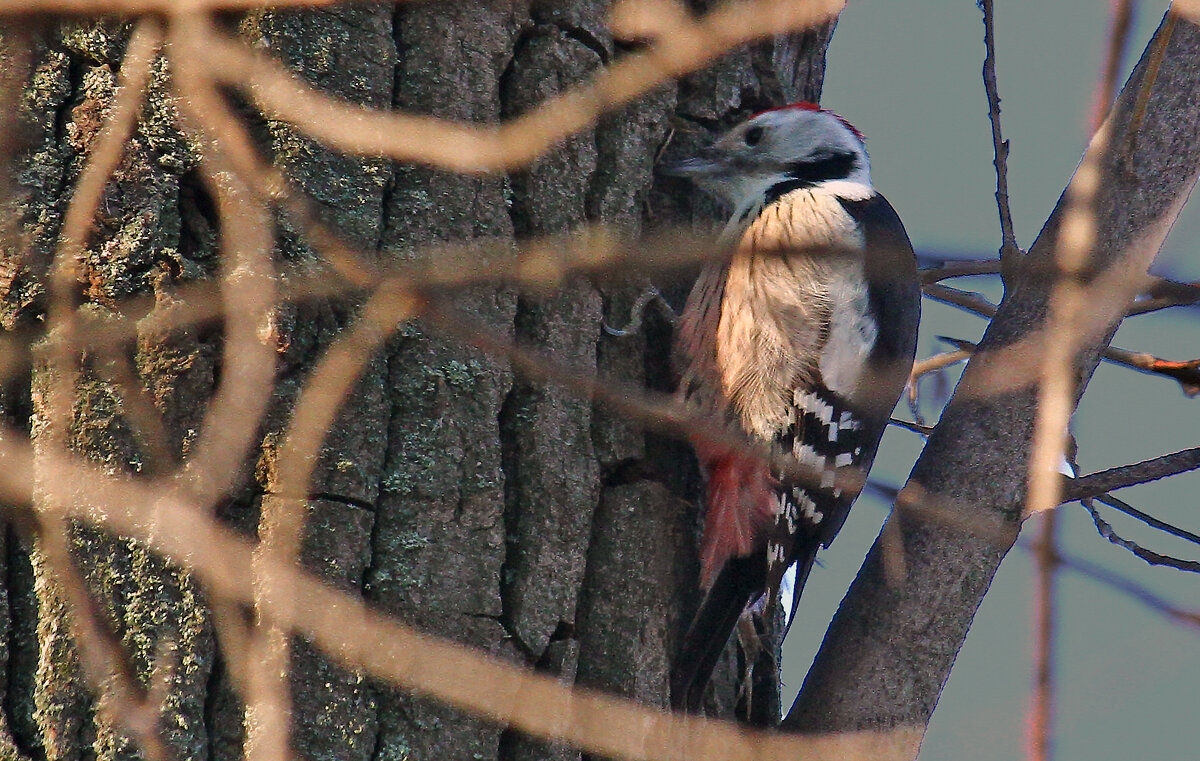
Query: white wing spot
{"points": [[814, 405], [808, 508], [808, 455], [828, 478], [776, 553]]}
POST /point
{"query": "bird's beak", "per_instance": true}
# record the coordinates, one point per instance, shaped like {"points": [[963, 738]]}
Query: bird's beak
{"points": [[707, 164]]}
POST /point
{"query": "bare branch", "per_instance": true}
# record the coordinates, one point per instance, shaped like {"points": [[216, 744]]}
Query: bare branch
{"points": [[966, 300], [1166, 294], [1146, 518], [1153, 558], [1186, 373], [1010, 252], [1095, 484], [949, 270]]}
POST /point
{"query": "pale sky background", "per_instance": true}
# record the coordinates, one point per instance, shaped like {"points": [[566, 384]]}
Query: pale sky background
{"points": [[908, 75]]}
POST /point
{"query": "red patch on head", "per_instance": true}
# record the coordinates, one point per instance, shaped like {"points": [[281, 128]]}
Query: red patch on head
{"points": [[805, 105]]}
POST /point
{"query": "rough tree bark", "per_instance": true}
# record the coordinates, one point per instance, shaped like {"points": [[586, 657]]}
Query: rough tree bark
{"points": [[507, 515]]}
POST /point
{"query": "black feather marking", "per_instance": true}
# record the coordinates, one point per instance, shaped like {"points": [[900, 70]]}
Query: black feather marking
{"points": [[891, 271], [820, 168]]}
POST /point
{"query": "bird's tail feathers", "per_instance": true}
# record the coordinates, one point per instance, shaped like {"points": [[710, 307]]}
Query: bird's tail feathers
{"points": [[709, 632]]}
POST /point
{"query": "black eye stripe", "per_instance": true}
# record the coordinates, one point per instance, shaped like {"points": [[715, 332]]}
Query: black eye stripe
{"points": [[753, 136]]}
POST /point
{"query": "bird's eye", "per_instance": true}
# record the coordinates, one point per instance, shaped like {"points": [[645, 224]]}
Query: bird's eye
{"points": [[753, 136]]}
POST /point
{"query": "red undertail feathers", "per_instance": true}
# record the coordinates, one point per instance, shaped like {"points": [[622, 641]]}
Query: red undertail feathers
{"points": [[742, 503]]}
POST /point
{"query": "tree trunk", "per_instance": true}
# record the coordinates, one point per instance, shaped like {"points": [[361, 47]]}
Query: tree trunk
{"points": [[511, 516]]}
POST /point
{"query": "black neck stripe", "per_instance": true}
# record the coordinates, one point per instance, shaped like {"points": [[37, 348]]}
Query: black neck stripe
{"points": [[804, 174]]}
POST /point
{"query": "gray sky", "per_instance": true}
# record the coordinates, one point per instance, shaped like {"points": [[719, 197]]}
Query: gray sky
{"points": [[908, 75]]}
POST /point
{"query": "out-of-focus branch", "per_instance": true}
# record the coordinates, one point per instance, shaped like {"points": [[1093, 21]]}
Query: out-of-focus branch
{"points": [[657, 412], [347, 630], [680, 44], [1041, 708], [164, 7], [538, 264], [247, 293], [1120, 25], [63, 313], [120, 697]]}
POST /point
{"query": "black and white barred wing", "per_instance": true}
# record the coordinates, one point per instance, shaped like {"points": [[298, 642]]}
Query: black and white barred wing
{"points": [[825, 434]]}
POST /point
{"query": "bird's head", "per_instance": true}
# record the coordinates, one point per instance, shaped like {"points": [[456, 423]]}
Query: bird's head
{"points": [[776, 151]]}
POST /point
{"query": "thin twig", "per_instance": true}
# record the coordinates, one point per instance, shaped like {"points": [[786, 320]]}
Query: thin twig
{"points": [[1010, 252], [920, 369], [1166, 294], [1153, 558], [1148, 519], [1090, 570], [1187, 373], [916, 427], [959, 269], [966, 300], [948, 514]]}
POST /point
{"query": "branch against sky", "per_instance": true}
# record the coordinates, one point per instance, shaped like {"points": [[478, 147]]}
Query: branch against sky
{"points": [[895, 643]]}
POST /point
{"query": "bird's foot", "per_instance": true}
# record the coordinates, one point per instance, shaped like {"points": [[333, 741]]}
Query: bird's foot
{"points": [[636, 312]]}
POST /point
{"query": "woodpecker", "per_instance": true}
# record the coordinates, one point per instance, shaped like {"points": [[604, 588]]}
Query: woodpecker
{"points": [[803, 336]]}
